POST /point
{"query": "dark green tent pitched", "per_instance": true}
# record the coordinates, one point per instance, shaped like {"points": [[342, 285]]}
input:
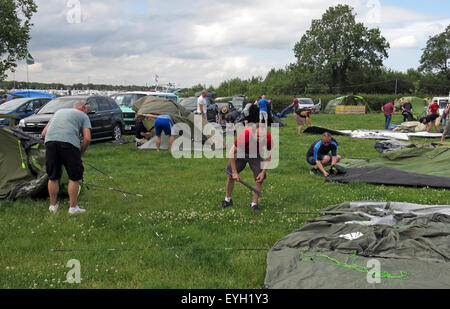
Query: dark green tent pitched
{"points": [[22, 164]]}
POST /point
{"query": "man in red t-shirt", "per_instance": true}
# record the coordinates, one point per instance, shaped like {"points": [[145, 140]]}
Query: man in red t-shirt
{"points": [[249, 148], [434, 108]]}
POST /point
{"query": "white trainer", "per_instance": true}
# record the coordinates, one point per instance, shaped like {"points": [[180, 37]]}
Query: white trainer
{"points": [[76, 209], [53, 208]]}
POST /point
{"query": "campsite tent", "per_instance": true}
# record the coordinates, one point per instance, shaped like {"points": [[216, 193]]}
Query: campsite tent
{"points": [[357, 245], [22, 165], [161, 106], [349, 104], [418, 105]]}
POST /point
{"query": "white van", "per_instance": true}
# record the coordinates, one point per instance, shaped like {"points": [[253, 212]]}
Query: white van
{"points": [[442, 101]]}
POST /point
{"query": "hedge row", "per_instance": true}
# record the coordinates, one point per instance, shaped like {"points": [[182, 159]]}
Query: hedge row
{"points": [[375, 101]]}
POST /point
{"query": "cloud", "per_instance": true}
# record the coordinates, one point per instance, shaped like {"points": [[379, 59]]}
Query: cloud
{"points": [[408, 41], [207, 42]]}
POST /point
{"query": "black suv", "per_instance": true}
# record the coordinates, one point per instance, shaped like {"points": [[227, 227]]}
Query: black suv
{"points": [[104, 113]]}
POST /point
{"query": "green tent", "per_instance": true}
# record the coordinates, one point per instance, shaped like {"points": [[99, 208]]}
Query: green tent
{"points": [[365, 245], [22, 165], [418, 105], [413, 165], [349, 100], [179, 114]]}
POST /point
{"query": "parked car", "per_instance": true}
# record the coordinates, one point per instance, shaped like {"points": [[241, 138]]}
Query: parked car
{"points": [[125, 101], [104, 114], [191, 105], [308, 103], [20, 108]]}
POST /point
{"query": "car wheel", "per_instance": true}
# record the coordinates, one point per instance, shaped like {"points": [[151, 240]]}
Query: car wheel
{"points": [[117, 132]]}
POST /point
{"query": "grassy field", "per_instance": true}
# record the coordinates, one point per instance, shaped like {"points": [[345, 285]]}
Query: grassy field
{"points": [[180, 202]]}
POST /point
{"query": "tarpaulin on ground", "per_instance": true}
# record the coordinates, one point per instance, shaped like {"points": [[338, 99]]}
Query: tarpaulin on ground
{"points": [[373, 134], [361, 245], [419, 166]]}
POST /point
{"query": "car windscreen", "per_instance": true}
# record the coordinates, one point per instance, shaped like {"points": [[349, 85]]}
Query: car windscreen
{"points": [[127, 100], [54, 105], [442, 104], [189, 102], [306, 101], [12, 105]]}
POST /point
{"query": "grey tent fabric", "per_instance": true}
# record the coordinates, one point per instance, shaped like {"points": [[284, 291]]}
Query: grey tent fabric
{"points": [[388, 176], [410, 243]]}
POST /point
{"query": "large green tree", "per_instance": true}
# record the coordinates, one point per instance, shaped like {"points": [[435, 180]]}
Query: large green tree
{"points": [[436, 55], [15, 25], [336, 46]]}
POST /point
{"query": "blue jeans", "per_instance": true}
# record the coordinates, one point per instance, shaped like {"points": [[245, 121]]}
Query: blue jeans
{"points": [[387, 122]]}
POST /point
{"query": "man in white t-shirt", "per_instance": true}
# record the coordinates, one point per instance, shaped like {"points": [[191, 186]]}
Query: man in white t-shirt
{"points": [[202, 105]]}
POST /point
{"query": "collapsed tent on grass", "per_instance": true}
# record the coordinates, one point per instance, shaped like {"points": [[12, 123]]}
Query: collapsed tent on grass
{"points": [[373, 134], [408, 165], [349, 104], [22, 165], [199, 131], [380, 245]]}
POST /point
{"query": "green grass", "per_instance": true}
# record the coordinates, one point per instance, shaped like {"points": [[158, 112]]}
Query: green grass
{"points": [[181, 198]]}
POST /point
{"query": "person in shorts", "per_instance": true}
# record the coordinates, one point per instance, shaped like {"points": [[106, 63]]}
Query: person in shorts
{"points": [[142, 134], [318, 154], [263, 111], [163, 123], [63, 148], [254, 138], [430, 121], [300, 115]]}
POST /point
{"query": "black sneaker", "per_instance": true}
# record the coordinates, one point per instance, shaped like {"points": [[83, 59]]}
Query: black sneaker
{"points": [[314, 171], [256, 209], [225, 204]]}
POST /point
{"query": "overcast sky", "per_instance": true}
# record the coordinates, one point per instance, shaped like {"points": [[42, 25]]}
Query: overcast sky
{"points": [[189, 42]]}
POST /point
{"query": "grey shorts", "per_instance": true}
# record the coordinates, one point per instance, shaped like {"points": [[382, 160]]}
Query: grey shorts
{"points": [[254, 163], [263, 115], [298, 119]]}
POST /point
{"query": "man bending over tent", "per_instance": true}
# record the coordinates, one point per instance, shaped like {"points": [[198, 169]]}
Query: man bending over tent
{"points": [[249, 148], [62, 144], [300, 114], [162, 123], [318, 154], [430, 121]]}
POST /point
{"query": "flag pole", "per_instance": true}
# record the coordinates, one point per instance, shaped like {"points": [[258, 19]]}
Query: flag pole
{"points": [[28, 82]]}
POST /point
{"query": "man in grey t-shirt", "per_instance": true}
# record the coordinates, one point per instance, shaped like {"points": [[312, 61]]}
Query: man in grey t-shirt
{"points": [[62, 143]]}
